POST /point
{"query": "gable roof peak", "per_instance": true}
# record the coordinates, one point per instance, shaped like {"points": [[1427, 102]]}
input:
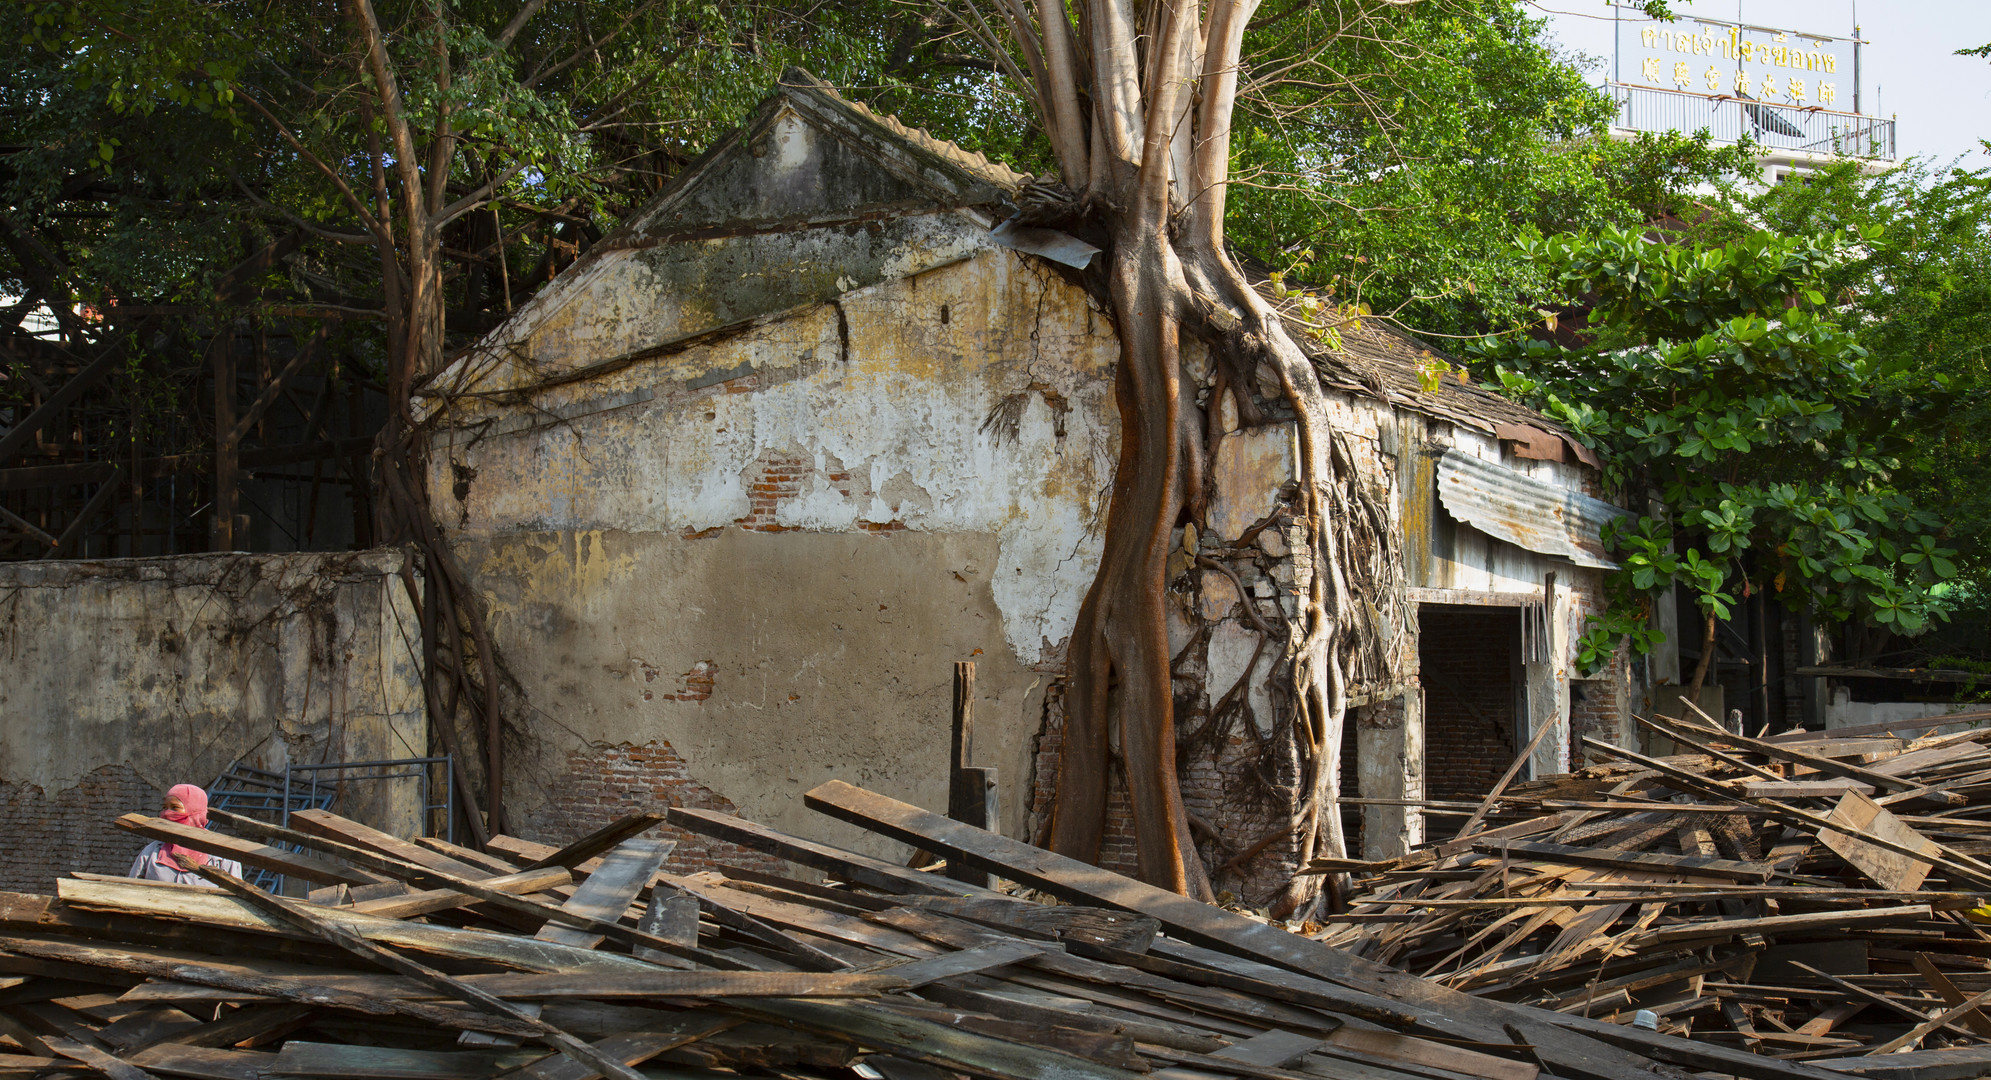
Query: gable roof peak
{"points": [[799, 82]]}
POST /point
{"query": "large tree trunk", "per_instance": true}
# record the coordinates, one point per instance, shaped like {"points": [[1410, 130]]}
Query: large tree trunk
{"points": [[1149, 161]]}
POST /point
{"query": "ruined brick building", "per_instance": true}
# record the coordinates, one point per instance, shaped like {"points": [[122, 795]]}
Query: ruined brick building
{"points": [[743, 482]]}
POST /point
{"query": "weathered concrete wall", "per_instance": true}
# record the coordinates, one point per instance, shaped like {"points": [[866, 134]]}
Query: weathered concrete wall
{"points": [[121, 678], [769, 555]]}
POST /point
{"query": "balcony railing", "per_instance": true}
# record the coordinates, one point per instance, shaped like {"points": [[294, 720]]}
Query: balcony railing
{"points": [[1778, 127]]}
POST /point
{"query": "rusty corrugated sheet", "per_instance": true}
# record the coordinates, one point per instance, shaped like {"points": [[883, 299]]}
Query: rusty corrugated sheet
{"points": [[1522, 510]]}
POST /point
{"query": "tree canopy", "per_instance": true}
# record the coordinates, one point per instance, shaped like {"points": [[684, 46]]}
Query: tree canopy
{"points": [[1738, 409]]}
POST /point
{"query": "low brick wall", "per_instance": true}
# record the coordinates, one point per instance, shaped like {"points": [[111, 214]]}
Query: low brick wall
{"points": [[604, 783]]}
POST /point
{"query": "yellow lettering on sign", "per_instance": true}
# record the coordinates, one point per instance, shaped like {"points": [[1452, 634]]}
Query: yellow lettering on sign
{"points": [[1648, 37], [1831, 63], [1649, 70], [1795, 87], [1742, 82], [1828, 93], [1780, 56], [1713, 77], [1770, 86], [1681, 76], [1748, 50]]}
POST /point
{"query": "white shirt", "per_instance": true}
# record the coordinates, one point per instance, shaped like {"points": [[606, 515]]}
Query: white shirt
{"points": [[147, 867]]}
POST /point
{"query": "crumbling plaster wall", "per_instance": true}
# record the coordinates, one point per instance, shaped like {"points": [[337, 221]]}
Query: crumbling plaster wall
{"points": [[123, 677], [766, 550]]}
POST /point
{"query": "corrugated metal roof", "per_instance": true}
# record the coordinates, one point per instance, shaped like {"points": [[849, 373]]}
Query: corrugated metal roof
{"points": [[1522, 510]]}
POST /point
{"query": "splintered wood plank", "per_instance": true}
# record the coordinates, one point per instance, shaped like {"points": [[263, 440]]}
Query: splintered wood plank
{"points": [[1753, 872], [31, 1065], [1975, 1019], [1805, 789], [631, 1047], [389, 1063], [846, 865], [1415, 1051], [1078, 882], [254, 1022], [143, 1027], [654, 983], [77, 1050], [204, 1063], [971, 961], [1861, 816], [211, 908], [1773, 924], [607, 892], [1831, 1017], [602, 839], [491, 863], [246, 852], [965, 1051], [333, 827], [1273, 1050], [1908, 761], [428, 901]]}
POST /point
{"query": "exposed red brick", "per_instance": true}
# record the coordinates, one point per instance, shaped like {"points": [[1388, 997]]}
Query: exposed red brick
{"points": [[604, 783], [696, 684], [51, 835], [1467, 662]]}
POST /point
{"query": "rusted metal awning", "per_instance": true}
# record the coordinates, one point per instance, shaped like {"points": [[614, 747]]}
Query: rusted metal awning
{"points": [[1524, 511]]}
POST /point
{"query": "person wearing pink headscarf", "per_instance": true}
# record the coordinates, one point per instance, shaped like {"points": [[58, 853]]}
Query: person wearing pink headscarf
{"points": [[184, 804]]}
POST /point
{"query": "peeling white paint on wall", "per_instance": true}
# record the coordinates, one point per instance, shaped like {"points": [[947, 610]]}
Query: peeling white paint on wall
{"points": [[902, 420]]}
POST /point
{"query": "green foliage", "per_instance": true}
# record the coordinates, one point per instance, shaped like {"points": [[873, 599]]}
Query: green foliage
{"points": [[1919, 292], [1722, 382], [1406, 155]]}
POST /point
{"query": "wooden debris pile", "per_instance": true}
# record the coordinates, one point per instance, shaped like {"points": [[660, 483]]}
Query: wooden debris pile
{"points": [[1804, 896], [421, 959]]}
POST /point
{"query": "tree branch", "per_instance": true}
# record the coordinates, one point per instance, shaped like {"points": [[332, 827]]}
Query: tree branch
{"points": [[346, 192]]}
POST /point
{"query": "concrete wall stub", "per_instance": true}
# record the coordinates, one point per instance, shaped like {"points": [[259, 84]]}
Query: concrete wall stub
{"points": [[123, 677], [1389, 739], [1548, 694]]}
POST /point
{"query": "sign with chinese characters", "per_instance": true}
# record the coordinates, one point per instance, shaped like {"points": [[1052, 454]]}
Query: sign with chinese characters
{"points": [[1718, 59]]}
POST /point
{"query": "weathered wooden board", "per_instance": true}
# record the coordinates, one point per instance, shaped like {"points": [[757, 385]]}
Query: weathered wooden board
{"points": [[1275, 1049], [1474, 1018], [607, 892], [1891, 870], [246, 852], [1805, 789], [203, 1062], [1568, 855], [210, 908], [333, 827]]}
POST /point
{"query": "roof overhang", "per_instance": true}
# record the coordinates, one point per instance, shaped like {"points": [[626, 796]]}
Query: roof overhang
{"points": [[1534, 514]]}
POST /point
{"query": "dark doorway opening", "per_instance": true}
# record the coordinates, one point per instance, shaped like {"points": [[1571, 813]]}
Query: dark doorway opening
{"points": [[1469, 660]]}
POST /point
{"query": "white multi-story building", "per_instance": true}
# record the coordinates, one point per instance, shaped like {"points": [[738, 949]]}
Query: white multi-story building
{"points": [[1796, 95]]}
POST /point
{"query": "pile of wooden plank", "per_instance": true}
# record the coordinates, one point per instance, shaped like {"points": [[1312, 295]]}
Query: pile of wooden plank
{"points": [[422, 959], [1806, 896]]}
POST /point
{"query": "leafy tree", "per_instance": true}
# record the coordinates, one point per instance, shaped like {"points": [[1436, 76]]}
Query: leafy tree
{"points": [[1918, 290], [420, 165], [1458, 128], [1722, 382], [1166, 121]]}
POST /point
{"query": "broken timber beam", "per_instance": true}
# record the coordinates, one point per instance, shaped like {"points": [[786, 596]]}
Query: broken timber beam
{"points": [[1068, 879]]}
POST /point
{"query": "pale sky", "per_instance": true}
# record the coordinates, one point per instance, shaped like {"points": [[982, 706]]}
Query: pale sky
{"points": [[1907, 70]]}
